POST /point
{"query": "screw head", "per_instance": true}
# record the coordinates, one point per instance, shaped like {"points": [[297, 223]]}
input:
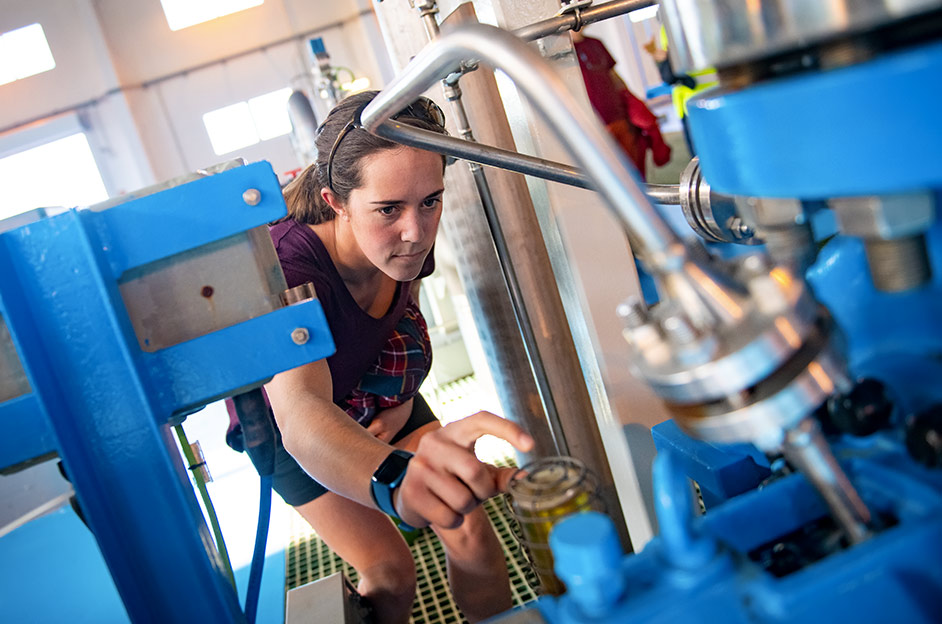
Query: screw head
{"points": [[252, 197], [300, 336]]}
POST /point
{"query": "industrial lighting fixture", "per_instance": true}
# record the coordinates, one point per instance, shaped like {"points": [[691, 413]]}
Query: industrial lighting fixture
{"points": [[183, 13], [24, 52]]}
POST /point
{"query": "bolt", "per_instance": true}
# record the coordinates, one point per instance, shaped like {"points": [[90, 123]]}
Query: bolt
{"points": [[924, 436], [252, 197], [740, 229], [632, 313], [300, 336], [679, 330], [900, 264], [864, 410]]}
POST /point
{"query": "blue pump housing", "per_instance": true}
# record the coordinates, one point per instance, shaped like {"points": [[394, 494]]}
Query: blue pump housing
{"points": [[771, 555], [766, 549]]}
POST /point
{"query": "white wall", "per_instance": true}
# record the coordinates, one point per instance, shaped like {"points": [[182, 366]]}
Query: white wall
{"points": [[141, 89], [83, 83]]}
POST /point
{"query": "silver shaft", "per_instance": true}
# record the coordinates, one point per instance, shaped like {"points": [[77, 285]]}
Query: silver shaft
{"points": [[807, 450], [667, 194]]}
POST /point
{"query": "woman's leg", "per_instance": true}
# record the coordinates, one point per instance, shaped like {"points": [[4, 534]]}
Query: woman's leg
{"points": [[477, 571], [367, 540]]}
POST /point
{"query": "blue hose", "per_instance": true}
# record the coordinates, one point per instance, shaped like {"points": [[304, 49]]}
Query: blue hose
{"points": [[258, 556]]}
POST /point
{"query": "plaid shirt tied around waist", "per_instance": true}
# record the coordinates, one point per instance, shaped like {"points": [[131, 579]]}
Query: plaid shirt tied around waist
{"points": [[394, 378]]}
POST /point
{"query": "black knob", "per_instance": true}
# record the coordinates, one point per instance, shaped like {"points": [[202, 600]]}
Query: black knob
{"points": [[864, 410], [924, 436]]}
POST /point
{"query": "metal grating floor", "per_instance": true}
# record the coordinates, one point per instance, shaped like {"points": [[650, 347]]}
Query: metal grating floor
{"points": [[307, 558]]}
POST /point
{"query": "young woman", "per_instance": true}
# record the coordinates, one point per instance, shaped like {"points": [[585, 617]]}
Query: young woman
{"points": [[361, 226]]}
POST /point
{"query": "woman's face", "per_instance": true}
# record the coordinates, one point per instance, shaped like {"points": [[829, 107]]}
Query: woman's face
{"points": [[394, 214]]}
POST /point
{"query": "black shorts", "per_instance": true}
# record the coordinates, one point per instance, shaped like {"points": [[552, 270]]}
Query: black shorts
{"points": [[296, 487]]}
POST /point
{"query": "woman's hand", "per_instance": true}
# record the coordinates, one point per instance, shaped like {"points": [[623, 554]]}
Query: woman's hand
{"points": [[445, 480], [387, 423]]}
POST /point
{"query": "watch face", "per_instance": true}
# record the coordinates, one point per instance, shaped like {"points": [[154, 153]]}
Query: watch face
{"points": [[391, 468]]}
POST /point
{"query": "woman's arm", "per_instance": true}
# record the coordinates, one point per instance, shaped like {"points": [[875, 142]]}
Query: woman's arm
{"points": [[330, 446], [444, 480]]}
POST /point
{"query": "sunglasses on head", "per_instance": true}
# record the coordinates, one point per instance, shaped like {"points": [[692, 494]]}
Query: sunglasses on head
{"points": [[422, 109]]}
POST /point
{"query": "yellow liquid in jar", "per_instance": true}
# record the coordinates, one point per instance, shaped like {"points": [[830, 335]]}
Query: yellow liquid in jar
{"points": [[553, 489]]}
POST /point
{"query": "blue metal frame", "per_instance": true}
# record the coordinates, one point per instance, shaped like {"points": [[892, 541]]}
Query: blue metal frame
{"points": [[866, 129], [871, 128], [107, 403], [697, 569], [893, 337], [721, 471]]}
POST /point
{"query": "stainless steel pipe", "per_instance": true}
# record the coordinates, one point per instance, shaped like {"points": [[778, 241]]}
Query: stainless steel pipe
{"points": [[667, 194], [483, 154], [453, 95], [571, 21]]}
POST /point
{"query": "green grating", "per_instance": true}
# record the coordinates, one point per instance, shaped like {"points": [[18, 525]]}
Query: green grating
{"points": [[308, 559]]}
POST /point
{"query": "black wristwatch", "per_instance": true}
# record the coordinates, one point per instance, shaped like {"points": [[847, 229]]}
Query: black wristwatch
{"points": [[387, 478]]}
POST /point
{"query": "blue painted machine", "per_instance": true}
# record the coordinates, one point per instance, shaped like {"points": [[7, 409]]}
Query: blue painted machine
{"points": [[818, 354], [808, 411], [116, 321]]}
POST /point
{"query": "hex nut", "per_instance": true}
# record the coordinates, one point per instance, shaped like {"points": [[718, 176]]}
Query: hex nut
{"points": [[767, 212], [884, 217]]}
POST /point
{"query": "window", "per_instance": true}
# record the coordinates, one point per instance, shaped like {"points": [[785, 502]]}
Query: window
{"points": [[246, 123], [24, 52], [59, 173], [183, 13], [270, 113]]}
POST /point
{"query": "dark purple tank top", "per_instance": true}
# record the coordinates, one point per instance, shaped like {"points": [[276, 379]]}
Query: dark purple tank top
{"points": [[358, 336]]}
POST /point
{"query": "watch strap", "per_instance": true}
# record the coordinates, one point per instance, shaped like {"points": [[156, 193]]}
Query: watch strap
{"points": [[383, 492]]}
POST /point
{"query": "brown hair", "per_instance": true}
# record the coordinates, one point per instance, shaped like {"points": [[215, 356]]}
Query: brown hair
{"points": [[303, 194]]}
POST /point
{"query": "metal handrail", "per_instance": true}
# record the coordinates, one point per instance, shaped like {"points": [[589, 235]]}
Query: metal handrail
{"points": [[575, 21], [482, 154]]}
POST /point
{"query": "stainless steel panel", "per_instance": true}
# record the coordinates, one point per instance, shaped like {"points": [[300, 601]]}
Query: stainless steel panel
{"points": [[719, 33], [203, 290]]}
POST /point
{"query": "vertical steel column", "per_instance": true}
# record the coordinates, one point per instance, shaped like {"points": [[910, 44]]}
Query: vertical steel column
{"points": [[530, 278], [468, 236], [453, 95]]}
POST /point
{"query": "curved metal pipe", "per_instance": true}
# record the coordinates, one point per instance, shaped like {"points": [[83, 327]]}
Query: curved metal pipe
{"points": [[570, 21], [585, 137]]}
